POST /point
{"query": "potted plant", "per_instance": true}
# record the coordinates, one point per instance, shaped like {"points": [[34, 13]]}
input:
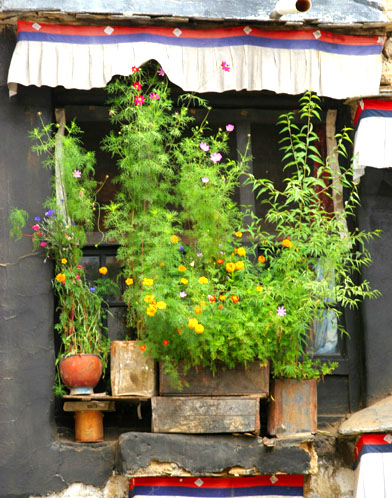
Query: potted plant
{"points": [[312, 260], [60, 233], [191, 278]]}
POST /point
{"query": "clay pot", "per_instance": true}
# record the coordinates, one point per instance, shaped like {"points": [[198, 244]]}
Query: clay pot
{"points": [[81, 373]]}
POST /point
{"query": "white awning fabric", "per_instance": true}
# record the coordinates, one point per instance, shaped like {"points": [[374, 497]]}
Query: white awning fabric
{"points": [[373, 132], [292, 62]]}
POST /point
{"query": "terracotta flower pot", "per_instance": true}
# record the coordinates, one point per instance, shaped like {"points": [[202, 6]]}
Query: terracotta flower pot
{"points": [[81, 373]]}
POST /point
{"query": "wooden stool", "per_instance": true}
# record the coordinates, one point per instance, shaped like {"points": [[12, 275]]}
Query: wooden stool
{"points": [[88, 419]]}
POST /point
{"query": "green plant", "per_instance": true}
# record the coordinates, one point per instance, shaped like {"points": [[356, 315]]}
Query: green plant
{"points": [[61, 234], [312, 260]]}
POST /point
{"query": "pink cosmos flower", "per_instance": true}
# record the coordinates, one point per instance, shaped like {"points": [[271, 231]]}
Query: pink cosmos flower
{"points": [[135, 69], [161, 72], [229, 127], [204, 146], [225, 66], [216, 157], [183, 294], [80, 266], [35, 227], [77, 173], [139, 100], [77, 277], [281, 311], [137, 86], [205, 179], [43, 244], [154, 96]]}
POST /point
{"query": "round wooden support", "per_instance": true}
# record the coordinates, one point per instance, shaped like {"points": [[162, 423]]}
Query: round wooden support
{"points": [[88, 426]]}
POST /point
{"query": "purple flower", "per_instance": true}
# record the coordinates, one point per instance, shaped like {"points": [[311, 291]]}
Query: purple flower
{"points": [[92, 289], [281, 311], [161, 72], [200, 254], [181, 248], [50, 213], [229, 127], [37, 218], [77, 173], [73, 223], [216, 157], [183, 294], [204, 146], [205, 179], [154, 96]]}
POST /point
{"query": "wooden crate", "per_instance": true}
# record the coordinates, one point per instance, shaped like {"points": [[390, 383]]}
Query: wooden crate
{"points": [[252, 380], [205, 415], [132, 372], [293, 407]]}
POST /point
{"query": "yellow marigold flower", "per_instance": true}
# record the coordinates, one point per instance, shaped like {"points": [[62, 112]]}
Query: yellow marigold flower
{"points": [[151, 310], [147, 281], [259, 288], [230, 267], [287, 243], [198, 310], [149, 298], [60, 277], [182, 268], [174, 239], [199, 329], [129, 281], [238, 234], [64, 261], [161, 305], [203, 280], [241, 251], [162, 264], [103, 270], [239, 265], [203, 303], [184, 281], [192, 322], [261, 259]]}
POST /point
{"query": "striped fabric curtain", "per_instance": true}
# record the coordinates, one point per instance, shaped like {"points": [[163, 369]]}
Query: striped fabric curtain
{"points": [[280, 486], [200, 60]]}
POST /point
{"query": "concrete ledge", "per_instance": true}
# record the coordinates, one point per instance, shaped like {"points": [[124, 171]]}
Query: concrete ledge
{"points": [[182, 454], [374, 418]]}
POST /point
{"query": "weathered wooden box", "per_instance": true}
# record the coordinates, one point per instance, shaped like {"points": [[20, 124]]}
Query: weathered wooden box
{"points": [[239, 381], [205, 415], [132, 372], [293, 407]]}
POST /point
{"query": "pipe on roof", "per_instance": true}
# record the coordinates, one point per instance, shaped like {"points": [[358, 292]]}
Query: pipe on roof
{"points": [[283, 7]]}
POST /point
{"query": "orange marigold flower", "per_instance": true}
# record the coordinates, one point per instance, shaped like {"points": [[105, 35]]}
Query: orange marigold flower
{"points": [[261, 259], [143, 347], [64, 261], [203, 303], [238, 234], [241, 251], [219, 261], [103, 270], [179, 331], [129, 281], [230, 267], [239, 265], [222, 297], [182, 268], [60, 277], [192, 322], [199, 329], [174, 239], [162, 264], [235, 299], [212, 299], [148, 281], [151, 310], [287, 243], [220, 306], [149, 298], [165, 342], [198, 310]]}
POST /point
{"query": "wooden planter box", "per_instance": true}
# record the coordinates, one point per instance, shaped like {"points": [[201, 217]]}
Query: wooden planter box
{"points": [[132, 372], [293, 407], [240, 381], [205, 415]]}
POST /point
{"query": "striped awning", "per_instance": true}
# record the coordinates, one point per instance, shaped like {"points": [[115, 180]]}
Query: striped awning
{"points": [[372, 139], [85, 57], [279, 486], [373, 466]]}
